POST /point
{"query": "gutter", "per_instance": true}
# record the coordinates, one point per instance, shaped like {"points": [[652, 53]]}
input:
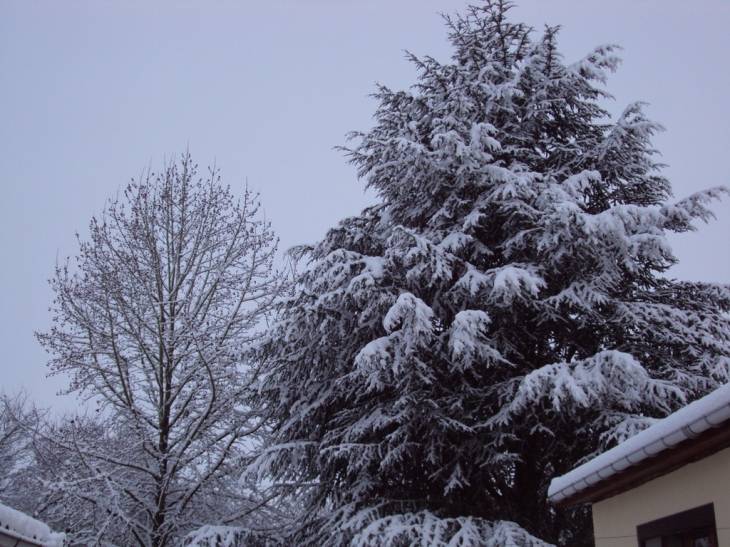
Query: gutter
{"points": [[614, 462], [20, 539]]}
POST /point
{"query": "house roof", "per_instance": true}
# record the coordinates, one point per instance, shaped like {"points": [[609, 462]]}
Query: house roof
{"points": [[694, 430], [26, 530]]}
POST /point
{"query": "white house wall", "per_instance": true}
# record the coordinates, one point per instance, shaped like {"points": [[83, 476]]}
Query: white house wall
{"points": [[706, 481]]}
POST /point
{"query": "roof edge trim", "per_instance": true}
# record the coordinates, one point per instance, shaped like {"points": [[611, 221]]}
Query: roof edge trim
{"points": [[713, 409]]}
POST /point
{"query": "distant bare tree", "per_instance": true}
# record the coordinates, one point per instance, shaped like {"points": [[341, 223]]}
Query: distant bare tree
{"points": [[152, 322], [11, 441], [18, 420]]}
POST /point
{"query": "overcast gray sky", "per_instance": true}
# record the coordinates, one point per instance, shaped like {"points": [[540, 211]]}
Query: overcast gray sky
{"points": [[92, 92]]}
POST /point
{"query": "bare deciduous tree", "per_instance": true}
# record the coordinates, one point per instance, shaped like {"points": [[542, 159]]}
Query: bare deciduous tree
{"points": [[152, 323], [18, 419]]}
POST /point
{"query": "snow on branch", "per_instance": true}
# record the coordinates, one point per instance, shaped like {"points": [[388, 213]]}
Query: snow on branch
{"points": [[425, 529]]}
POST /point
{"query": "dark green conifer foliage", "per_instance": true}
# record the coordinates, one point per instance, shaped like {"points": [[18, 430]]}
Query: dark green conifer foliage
{"points": [[499, 317]]}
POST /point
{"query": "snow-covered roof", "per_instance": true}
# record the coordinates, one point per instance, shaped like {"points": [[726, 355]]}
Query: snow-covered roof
{"points": [[705, 413], [20, 526]]}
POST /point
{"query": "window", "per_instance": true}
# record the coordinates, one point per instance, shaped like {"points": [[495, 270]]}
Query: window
{"points": [[693, 528]]}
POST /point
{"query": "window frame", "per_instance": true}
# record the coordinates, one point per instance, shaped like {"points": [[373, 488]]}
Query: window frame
{"points": [[687, 523]]}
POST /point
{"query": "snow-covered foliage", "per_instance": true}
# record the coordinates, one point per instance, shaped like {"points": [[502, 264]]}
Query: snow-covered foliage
{"points": [[424, 529], [230, 536], [152, 322], [500, 316], [21, 526]]}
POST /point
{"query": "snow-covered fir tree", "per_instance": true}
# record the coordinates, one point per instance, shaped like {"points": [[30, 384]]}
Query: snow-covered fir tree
{"points": [[500, 316]]}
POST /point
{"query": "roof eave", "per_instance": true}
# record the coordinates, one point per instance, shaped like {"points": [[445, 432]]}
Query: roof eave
{"points": [[707, 443]]}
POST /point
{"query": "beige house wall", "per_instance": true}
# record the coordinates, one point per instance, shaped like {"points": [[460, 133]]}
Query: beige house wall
{"points": [[705, 481]]}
